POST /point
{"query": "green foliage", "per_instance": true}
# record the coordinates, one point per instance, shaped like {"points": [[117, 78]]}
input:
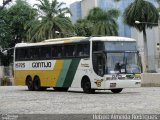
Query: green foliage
{"points": [[83, 28], [12, 22], [143, 11], [104, 22], [19, 15], [51, 19], [146, 13], [5, 30]]}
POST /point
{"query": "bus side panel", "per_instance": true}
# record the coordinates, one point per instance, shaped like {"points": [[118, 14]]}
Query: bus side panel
{"points": [[83, 69], [19, 77], [49, 78], [71, 72], [63, 73]]}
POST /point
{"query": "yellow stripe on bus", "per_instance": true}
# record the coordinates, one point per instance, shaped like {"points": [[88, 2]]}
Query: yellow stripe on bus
{"points": [[57, 70], [48, 78]]}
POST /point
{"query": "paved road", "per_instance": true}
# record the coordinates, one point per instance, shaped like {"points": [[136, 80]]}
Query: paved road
{"points": [[17, 100]]}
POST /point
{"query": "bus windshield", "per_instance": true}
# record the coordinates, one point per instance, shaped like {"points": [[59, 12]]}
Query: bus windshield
{"points": [[120, 46], [120, 57], [123, 62]]}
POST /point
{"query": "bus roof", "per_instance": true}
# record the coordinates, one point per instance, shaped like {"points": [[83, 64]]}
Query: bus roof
{"points": [[54, 41], [112, 38], [75, 39]]}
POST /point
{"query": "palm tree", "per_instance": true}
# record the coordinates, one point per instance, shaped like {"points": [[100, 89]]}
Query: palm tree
{"points": [[83, 27], [51, 19], [146, 13], [104, 22]]}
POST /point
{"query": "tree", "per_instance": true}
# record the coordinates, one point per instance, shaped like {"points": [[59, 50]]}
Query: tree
{"points": [[104, 22], [6, 38], [51, 19], [83, 28], [145, 12], [19, 15]]}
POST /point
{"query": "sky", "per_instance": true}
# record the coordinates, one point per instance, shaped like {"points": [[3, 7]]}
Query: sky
{"points": [[68, 2]]}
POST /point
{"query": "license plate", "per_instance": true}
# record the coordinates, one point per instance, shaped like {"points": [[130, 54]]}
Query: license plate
{"points": [[112, 85]]}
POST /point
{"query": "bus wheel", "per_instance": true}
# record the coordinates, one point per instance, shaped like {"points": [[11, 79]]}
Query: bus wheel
{"points": [[117, 90], [60, 89], [29, 83], [87, 87], [37, 84]]}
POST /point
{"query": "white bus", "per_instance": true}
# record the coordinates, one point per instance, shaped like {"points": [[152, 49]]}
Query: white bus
{"points": [[94, 63]]}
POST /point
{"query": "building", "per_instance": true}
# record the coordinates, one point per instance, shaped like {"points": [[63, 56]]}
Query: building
{"points": [[153, 35], [85, 5], [76, 11]]}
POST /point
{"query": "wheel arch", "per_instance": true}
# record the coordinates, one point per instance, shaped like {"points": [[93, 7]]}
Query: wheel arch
{"points": [[36, 76]]}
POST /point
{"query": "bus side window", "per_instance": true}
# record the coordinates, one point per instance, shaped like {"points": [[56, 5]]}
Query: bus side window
{"points": [[86, 49], [34, 53], [57, 51], [69, 50], [83, 50], [54, 51], [18, 54], [21, 54], [45, 52], [26, 54], [80, 50]]}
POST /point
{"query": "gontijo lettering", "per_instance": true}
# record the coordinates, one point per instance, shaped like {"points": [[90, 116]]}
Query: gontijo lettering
{"points": [[41, 64]]}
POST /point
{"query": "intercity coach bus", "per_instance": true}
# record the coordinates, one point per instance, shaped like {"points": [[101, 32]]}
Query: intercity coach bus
{"points": [[90, 63]]}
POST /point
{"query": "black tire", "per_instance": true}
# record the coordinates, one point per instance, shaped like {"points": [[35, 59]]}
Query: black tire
{"points": [[87, 87], [60, 89], [117, 90], [29, 84], [37, 84]]}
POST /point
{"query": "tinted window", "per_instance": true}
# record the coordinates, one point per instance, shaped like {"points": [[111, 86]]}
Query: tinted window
{"points": [[120, 46], [34, 53], [70, 50], [54, 51], [83, 50], [45, 52], [22, 53], [57, 51], [98, 46]]}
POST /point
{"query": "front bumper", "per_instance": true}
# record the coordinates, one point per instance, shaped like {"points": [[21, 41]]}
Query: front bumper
{"points": [[122, 84], [114, 84]]}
